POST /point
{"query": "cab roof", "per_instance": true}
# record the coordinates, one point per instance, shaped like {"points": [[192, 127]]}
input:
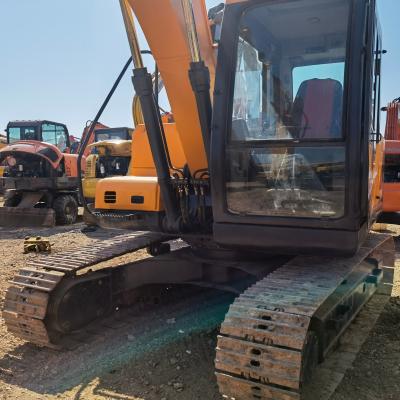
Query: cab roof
{"points": [[31, 123]]}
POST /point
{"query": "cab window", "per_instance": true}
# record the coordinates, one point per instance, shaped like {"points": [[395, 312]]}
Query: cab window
{"points": [[392, 168], [285, 153], [17, 133], [56, 135]]}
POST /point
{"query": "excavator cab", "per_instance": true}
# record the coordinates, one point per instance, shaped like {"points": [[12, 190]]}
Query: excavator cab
{"points": [[40, 131], [110, 155], [105, 134], [296, 125]]}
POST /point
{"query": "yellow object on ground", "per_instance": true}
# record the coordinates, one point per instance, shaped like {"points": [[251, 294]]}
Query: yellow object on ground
{"points": [[36, 245]]}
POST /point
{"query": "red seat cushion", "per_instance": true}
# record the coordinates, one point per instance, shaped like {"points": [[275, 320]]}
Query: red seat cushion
{"points": [[317, 109]]}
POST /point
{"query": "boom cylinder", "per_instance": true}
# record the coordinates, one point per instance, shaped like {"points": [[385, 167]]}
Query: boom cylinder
{"points": [[191, 30], [199, 76], [131, 33], [142, 82]]}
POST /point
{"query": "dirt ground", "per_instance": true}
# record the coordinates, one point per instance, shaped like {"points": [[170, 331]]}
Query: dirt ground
{"points": [[164, 351]]}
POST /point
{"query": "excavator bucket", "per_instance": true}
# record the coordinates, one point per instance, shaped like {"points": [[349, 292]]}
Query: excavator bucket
{"points": [[15, 217], [26, 215]]}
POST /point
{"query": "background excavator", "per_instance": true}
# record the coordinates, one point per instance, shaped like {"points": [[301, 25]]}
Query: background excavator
{"points": [[111, 151], [391, 187], [40, 177], [273, 186], [110, 155]]}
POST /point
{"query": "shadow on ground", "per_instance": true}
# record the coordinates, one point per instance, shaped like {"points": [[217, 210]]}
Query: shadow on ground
{"points": [[161, 351]]}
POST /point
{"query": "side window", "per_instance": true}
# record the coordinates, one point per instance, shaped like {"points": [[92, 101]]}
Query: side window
{"points": [[61, 137], [22, 133], [14, 134], [56, 135], [49, 133], [29, 134]]}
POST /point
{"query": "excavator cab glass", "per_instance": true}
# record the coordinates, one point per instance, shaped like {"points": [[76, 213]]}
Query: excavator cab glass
{"points": [[113, 134], [289, 92], [16, 133], [392, 168], [41, 131], [55, 134], [287, 85]]}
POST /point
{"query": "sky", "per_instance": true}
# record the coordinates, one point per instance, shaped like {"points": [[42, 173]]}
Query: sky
{"points": [[59, 59]]}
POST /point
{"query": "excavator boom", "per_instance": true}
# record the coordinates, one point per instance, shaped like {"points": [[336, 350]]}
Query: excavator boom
{"points": [[173, 59]]}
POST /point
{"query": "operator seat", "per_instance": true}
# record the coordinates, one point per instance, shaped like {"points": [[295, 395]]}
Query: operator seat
{"points": [[317, 109]]}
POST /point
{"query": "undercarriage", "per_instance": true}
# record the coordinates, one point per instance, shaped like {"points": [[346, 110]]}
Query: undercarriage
{"points": [[289, 314], [39, 201]]}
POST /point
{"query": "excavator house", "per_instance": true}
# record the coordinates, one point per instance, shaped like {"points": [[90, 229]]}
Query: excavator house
{"points": [[270, 172]]}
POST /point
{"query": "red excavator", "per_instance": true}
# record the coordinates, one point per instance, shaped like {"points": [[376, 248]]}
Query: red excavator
{"points": [[391, 186], [40, 177]]}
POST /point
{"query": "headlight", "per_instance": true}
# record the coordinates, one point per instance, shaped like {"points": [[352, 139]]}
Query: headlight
{"points": [[11, 161]]}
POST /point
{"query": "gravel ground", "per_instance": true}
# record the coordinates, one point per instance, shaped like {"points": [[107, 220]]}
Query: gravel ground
{"points": [[163, 351]]}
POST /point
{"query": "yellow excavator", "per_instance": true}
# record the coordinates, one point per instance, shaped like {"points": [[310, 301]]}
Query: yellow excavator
{"points": [[110, 155], [273, 184]]}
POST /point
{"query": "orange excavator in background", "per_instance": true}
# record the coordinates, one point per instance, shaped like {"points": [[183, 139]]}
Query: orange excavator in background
{"points": [[273, 186], [391, 187], [40, 177]]}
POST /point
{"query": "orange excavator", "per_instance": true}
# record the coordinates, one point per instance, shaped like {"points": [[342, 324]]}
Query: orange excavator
{"points": [[40, 176], [391, 187], [273, 186]]}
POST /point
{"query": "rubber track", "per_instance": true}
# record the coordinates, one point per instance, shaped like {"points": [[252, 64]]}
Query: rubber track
{"points": [[262, 339], [27, 299]]}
